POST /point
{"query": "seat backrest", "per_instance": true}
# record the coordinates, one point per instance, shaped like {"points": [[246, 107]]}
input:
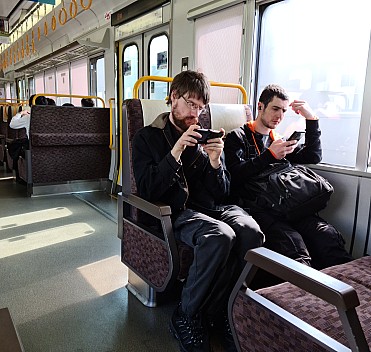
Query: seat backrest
{"points": [[138, 113], [74, 136], [229, 116]]}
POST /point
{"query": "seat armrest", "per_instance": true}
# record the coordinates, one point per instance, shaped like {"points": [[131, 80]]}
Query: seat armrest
{"points": [[158, 210], [315, 282]]}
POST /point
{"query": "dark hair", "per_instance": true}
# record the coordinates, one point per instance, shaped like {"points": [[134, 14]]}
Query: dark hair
{"points": [[67, 104], [31, 99], [51, 101], [193, 83], [271, 91], [40, 100], [87, 102]]}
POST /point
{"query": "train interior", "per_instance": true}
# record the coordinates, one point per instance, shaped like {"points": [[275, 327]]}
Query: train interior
{"points": [[67, 278]]}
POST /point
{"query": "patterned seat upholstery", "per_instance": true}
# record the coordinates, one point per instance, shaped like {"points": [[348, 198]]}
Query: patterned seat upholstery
{"points": [[12, 134], [286, 317], [149, 248], [67, 144], [3, 133]]}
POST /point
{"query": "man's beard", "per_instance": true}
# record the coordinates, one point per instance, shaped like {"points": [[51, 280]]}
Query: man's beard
{"points": [[180, 122]]}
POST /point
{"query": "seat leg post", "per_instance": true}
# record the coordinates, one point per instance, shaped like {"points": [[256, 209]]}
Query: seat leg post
{"points": [[141, 290]]}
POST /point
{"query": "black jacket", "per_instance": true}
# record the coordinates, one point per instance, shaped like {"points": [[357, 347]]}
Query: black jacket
{"points": [[192, 183], [243, 160]]}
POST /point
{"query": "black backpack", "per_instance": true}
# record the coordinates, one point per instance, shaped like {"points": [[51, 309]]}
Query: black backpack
{"points": [[293, 191]]}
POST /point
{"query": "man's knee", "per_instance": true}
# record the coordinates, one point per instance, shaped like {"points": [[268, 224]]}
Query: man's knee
{"points": [[220, 237]]}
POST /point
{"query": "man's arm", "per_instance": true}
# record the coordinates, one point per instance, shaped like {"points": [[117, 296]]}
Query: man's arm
{"points": [[155, 174], [311, 151], [20, 120], [241, 158]]}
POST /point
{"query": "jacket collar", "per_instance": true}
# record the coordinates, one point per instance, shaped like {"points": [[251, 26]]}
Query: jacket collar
{"points": [[161, 120]]}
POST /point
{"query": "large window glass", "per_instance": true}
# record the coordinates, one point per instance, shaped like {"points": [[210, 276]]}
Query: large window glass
{"points": [[63, 84], [158, 66], [97, 79], [50, 83], [130, 69], [218, 50], [317, 50], [39, 83], [79, 80]]}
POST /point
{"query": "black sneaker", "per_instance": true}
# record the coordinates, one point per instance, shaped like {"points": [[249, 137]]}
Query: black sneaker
{"points": [[228, 341], [221, 328], [189, 332]]}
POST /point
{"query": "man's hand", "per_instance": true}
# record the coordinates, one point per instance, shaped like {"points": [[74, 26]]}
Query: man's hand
{"points": [[186, 139], [281, 148], [301, 107], [24, 112], [214, 149]]}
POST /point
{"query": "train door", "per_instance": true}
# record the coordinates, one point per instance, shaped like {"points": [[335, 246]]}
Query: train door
{"points": [[144, 55], [140, 55]]}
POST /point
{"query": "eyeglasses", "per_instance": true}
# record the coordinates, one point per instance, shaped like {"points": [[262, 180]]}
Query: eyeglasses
{"points": [[194, 106]]}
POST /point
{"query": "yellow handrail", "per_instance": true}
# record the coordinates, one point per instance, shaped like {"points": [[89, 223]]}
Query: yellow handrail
{"points": [[12, 99], [67, 95], [110, 100], [170, 79]]}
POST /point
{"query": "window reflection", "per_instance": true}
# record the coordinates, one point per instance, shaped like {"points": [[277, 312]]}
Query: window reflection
{"points": [[321, 58]]}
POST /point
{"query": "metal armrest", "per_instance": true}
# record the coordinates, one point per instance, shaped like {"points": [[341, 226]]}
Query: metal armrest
{"points": [[313, 281], [157, 210], [341, 295]]}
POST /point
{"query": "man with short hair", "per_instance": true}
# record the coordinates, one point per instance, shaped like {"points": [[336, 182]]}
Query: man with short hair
{"points": [[87, 103], [251, 149], [171, 167]]}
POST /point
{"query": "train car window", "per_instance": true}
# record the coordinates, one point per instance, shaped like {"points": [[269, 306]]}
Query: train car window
{"points": [[50, 81], [130, 69], [8, 93], [21, 89], [97, 78], [100, 80], [39, 83], [158, 66], [321, 58], [79, 80], [218, 50], [63, 84], [30, 87]]}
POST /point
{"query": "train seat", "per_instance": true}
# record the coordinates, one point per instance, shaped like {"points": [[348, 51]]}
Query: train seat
{"points": [[12, 134], [327, 310], [3, 133], [9, 338], [148, 247], [67, 145]]}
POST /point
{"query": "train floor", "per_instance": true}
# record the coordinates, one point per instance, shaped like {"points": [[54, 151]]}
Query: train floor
{"points": [[62, 279]]}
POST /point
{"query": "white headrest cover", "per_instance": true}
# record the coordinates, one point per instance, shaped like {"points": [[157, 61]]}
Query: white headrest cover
{"points": [[152, 108], [229, 116]]}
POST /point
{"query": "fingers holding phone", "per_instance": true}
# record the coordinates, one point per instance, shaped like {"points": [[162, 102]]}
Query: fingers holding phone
{"points": [[280, 148]]}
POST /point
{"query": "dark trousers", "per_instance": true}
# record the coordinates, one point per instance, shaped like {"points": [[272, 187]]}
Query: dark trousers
{"points": [[220, 244], [311, 240]]}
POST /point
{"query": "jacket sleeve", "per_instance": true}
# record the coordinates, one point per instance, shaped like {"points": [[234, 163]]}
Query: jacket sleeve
{"points": [[217, 181], [241, 158], [154, 174], [18, 121], [311, 151]]}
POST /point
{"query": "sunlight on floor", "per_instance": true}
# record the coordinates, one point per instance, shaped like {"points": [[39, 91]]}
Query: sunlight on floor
{"points": [[106, 275], [31, 241], [34, 217]]}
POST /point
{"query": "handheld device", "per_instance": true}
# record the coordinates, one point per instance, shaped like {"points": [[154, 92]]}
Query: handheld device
{"points": [[297, 135], [207, 134]]}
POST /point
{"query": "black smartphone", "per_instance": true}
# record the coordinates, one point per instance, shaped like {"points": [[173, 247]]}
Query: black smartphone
{"points": [[208, 134], [297, 135]]}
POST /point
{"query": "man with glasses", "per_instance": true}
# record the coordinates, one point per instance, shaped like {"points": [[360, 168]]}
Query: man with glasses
{"points": [[171, 167]]}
